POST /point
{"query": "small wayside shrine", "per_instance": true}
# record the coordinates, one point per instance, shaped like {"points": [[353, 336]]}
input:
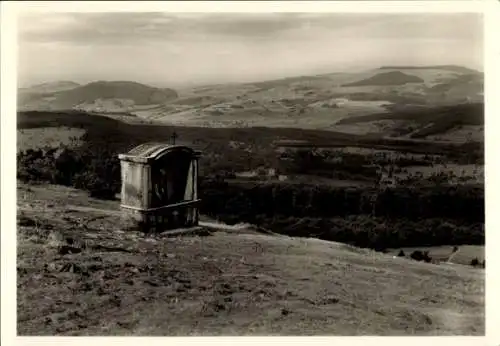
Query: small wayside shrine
{"points": [[160, 186]]}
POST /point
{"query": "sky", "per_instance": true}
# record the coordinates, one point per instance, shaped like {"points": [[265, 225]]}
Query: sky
{"points": [[169, 49]]}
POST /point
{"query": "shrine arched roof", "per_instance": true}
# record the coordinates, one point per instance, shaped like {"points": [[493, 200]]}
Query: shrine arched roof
{"points": [[154, 150]]}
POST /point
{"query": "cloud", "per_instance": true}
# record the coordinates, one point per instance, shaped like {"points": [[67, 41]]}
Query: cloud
{"points": [[217, 47], [123, 28], [119, 28], [92, 28]]}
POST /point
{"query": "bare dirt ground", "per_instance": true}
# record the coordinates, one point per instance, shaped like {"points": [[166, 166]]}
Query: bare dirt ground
{"points": [[80, 273]]}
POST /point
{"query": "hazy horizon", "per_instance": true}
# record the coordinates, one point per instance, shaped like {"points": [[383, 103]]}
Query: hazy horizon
{"points": [[176, 50]]}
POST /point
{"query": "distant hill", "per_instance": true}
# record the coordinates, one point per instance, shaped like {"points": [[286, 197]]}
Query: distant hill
{"points": [[387, 78], [140, 94], [420, 122], [453, 68], [108, 95]]}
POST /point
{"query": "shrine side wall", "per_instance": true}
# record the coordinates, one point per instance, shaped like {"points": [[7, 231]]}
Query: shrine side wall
{"points": [[134, 181]]}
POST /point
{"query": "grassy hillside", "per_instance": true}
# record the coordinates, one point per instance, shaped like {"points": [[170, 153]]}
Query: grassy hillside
{"points": [[427, 121], [218, 283]]}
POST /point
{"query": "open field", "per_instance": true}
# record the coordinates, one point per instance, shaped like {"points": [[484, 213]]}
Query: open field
{"points": [[48, 137], [119, 282]]}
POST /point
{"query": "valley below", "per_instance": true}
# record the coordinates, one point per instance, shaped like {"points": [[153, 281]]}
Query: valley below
{"points": [[309, 102]]}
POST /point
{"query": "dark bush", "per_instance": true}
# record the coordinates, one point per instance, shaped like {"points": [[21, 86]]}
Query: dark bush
{"points": [[418, 255], [94, 169], [427, 258]]}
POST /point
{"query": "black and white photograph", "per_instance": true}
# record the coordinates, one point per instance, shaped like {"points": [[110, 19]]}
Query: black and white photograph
{"points": [[250, 173]]}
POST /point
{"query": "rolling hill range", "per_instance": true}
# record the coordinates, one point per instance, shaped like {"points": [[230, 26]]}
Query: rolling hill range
{"points": [[309, 102]]}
